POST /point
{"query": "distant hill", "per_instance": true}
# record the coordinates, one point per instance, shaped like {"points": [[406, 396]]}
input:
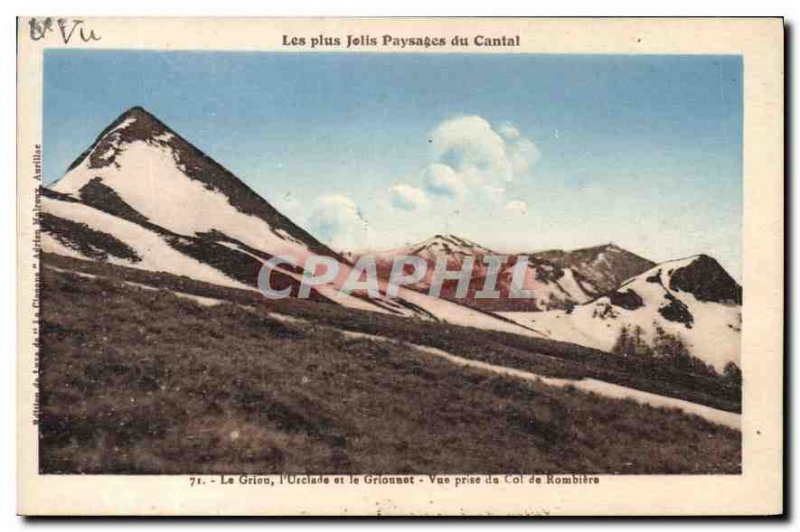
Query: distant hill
{"points": [[605, 267], [558, 279]]}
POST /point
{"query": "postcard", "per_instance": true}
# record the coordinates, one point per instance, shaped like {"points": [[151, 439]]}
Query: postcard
{"points": [[400, 267]]}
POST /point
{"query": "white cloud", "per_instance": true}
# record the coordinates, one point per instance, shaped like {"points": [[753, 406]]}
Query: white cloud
{"points": [[407, 198], [441, 180], [508, 131], [517, 207], [337, 221], [523, 154], [478, 153], [473, 163], [472, 149]]}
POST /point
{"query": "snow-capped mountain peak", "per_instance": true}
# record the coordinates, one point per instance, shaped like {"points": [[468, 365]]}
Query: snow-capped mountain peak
{"points": [[448, 245], [693, 299], [134, 124], [138, 168]]}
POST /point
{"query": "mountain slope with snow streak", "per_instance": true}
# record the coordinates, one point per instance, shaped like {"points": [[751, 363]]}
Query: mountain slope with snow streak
{"points": [[694, 299], [71, 228]]}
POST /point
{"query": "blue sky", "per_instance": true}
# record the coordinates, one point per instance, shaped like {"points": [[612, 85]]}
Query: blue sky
{"points": [[518, 152]]}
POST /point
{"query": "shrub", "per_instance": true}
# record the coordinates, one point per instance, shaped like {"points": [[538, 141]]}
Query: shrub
{"points": [[732, 373], [666, 350], [632, 343]]}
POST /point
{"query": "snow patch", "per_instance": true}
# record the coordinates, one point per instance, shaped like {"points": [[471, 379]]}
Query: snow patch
{"points": [[147, 178], [155, 253]]}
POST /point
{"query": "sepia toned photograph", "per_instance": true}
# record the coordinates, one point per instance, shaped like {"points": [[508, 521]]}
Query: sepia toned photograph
{"points": [[412, 259]]}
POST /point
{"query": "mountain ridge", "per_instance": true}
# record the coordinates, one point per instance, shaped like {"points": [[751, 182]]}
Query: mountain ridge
{"points": [[180, 212], [137, 124], [559, 279], [605, 265]]}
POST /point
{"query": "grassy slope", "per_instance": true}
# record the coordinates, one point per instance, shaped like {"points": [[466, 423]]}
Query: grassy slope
{"points": [[141, 381], [541, 356]]}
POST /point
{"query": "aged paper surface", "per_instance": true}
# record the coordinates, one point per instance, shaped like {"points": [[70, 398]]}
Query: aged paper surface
{"points": [[400, 266]]}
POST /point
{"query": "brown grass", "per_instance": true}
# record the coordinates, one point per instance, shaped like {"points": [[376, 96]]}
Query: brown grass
{"points": [[539, 355], [142, 381]]}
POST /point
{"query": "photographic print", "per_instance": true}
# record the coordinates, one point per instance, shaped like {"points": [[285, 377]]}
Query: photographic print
{"points": [[398, 259]]}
